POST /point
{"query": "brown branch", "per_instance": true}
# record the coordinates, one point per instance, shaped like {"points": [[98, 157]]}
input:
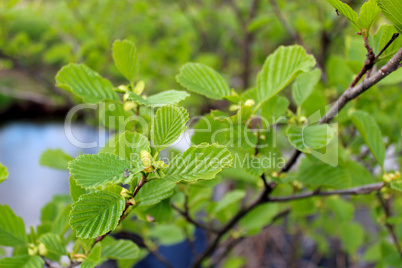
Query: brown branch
{"points": [[386, 206], [365, 189], [186, 214], [234, 242], [350, 94]]}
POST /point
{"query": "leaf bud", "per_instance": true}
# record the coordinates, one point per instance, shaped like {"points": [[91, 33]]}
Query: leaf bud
{"points": [[42, 249], [125, 193], [139, 88]]}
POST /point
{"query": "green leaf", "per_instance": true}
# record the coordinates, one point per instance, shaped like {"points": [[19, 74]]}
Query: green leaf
{"points": [[315, 173], [61, 223], [229, 199], [259, 217], [55, 158], [308, 138], [120, 250], [368, 13], [392, 10], [93, 257], [96, 213], [125, 58], [100, 170], [352, 236], [3, 173], [130, 145], [22, 261], [345, 10], [273, 110], [396, 185], [160, 99], [155, 191], [203, 80], [85, 83], [199, 162], [53, 244], [75, 190], [280, 68], [371, 134], [113, 116], [167, 125], [304, 85], [167, 234], [12, 228]]}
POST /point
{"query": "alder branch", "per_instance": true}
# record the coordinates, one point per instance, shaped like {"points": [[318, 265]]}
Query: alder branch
{"points": [[348, 95], [235, 242], [187, 216], [360, 190]]}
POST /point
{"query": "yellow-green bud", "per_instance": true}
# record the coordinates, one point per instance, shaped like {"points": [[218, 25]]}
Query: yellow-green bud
{"points": [[126, 96], [387, 178], [32, 250], [147, 160], [249, 102], [125, 193], [42, 249], [129, 105], [79, 257], [131, 201], [123, 87], [139, 87]]}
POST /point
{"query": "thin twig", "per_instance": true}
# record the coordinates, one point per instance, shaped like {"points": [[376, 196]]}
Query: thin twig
{"points": [[350, 94], [347, 96], [365, 189], [188, 218], [386, 206]]}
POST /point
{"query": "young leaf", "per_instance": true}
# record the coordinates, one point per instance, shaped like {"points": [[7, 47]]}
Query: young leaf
{"points": [[3, 173], [155, 191], [56, 158], [96, 213], [396, 185], [392, 10], [167, 234], [368, 13], [229, 199], [167, 125], [273, 110], [100, 170], [22, 261], [85, 83], [371, 134], [345, 10], [53, 244], [93, 257], [125, 58], [203, 80], [130, 145], [304, 85], [199, 162], [160, 99], [280, 68], [12, 228], [75, 190], [309, 138], [120, 250]]}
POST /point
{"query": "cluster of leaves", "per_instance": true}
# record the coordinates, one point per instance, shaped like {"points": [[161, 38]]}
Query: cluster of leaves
{"points": [[129, 178]]}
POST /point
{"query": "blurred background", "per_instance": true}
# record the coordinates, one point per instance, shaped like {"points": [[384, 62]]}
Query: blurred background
{"points": [[38, 37]]}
